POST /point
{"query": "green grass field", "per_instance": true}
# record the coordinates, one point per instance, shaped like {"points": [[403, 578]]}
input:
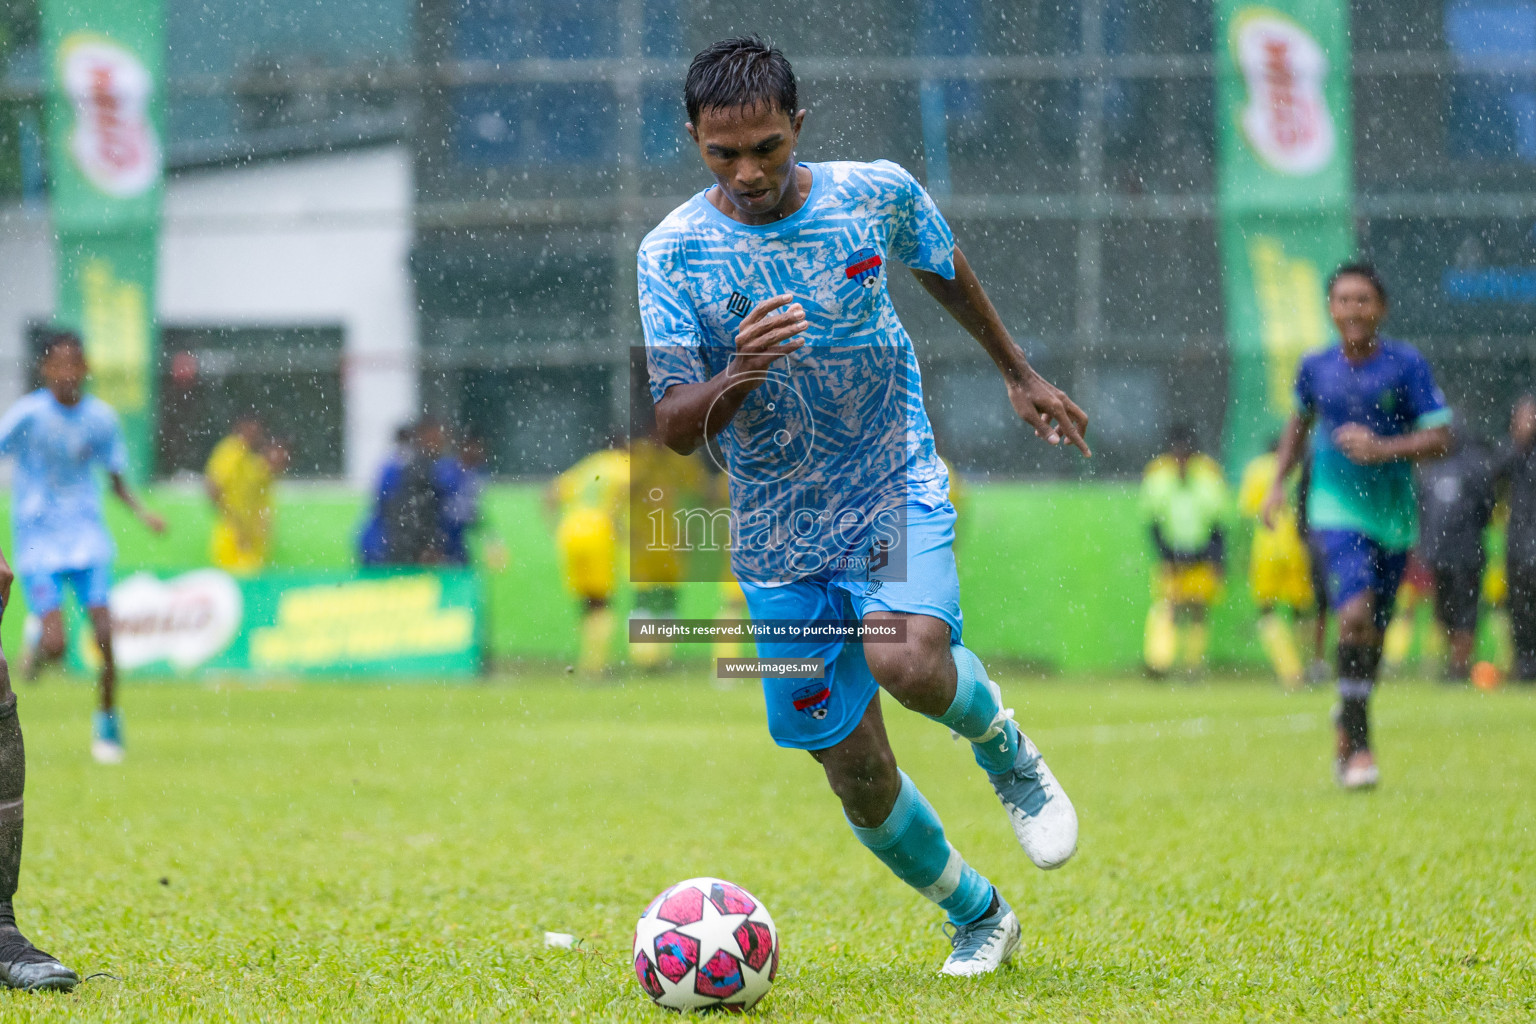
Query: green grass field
{"points": [[359, 852]]}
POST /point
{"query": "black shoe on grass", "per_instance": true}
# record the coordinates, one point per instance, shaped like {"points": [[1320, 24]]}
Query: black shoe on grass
{"points": [[24, 966]]}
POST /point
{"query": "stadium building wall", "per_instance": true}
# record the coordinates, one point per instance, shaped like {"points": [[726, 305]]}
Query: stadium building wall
{"points": [[311, 242]]}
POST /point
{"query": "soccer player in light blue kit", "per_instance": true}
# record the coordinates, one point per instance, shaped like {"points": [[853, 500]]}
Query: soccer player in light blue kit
{"points": [[769, 330], [59, 436], [1378, 411]]}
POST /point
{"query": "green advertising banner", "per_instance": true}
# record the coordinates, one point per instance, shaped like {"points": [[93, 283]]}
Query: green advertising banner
{"points": [[1285, 192], [407, 623], [106, 166]]}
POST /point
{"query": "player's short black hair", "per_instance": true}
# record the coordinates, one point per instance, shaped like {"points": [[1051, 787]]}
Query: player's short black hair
{"points": [[56, 339], [743, 71], [1359, 268]]}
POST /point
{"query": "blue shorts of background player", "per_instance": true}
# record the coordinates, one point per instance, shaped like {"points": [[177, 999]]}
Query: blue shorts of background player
{"points": [[1355, 564], [92, 586], [813, 714]]}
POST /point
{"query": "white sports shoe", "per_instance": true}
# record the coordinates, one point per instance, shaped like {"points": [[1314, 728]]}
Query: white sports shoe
{"points": [[1042, 816], [984, 945], [1359, 771], [107, 752]]}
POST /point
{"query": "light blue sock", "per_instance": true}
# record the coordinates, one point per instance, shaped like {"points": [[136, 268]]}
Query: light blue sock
{"points": [[973, 711], [911, 843]]}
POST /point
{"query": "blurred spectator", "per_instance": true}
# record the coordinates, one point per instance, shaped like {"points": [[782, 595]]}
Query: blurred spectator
{"points": [[406, 526], [413, 511], [1456, 499], [1518, 461], [1185, 501], [370, 542], [239, 476], [461, 479]]}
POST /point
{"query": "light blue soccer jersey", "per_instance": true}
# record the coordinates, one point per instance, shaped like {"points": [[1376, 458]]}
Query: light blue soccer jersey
{"points": [[55, 495], [836, 438]]}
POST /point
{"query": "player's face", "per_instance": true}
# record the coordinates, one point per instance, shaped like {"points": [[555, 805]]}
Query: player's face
{"points": [[63, 372], [751, 153], [1356, 307]]}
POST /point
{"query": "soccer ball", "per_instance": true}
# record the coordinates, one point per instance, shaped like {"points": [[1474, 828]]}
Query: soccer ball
{"points": [[706, 943]]}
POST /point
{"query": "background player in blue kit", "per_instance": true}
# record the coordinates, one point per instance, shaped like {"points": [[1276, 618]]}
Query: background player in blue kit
{"points": [[59, 436], [769, 329], [1378, 410]]}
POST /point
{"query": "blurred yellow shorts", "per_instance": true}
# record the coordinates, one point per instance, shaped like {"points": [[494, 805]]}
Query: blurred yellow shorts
{"points": [[1194, 583], [587, 548]]}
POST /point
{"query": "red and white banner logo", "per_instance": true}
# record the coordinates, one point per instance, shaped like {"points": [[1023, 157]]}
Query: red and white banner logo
{"points": [[1286, 120], [114, 141]]}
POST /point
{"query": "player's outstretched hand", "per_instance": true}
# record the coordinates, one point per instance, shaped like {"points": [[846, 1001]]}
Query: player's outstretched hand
{"points": [[1055, 417], [1359, 444], [765, 335]]}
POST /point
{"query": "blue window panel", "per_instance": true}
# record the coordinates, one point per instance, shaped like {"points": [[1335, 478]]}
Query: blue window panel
{"points": [[577, 124], [664, 31], [1492, 113], [661, 119], [493, 30], [490, 125]]}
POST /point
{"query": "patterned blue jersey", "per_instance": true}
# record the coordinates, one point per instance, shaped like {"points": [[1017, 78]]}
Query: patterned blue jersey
{"points": [[55, 496], [836, 438], [1393, 393]]}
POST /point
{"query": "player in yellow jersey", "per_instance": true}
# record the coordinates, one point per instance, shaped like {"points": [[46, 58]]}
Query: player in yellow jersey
{"points": [[1184, 499], [591, 499], [1279, 572], [662, 482], [239, 481]]}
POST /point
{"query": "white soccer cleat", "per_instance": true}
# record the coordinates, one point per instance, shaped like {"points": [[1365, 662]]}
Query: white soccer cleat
{"points": [[1359, 771], [984, 945], [107, 752], [1042, 816]]}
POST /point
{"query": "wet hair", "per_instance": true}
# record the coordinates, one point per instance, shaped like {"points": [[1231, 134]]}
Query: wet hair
{"points": [[58, 339], [1359, 269], [740, 72]]}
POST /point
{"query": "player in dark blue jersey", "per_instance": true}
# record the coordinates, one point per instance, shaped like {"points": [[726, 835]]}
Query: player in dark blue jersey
{"points": [[1378, 411]]}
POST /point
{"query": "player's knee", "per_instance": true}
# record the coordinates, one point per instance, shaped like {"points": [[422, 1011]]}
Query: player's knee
{"points": [[909, 672], [51, 644]]}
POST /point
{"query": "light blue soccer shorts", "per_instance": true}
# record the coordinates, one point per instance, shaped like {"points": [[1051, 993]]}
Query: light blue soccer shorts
{"points": [[92, 586], [813, 714]]}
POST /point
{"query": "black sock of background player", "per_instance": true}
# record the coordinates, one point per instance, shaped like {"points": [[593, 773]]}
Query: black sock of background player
{"points": [[1358, 664], [13, 778]]}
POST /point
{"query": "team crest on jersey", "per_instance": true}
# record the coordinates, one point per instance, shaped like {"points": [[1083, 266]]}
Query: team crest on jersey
{"points": [[863, 267], [813, 700], [739, 304]]}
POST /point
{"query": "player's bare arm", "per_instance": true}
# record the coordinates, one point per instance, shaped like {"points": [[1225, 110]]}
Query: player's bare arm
{"points": [[1364, 447], [1286, 457], [127, 497], [1045, 407], [689, 414]]}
